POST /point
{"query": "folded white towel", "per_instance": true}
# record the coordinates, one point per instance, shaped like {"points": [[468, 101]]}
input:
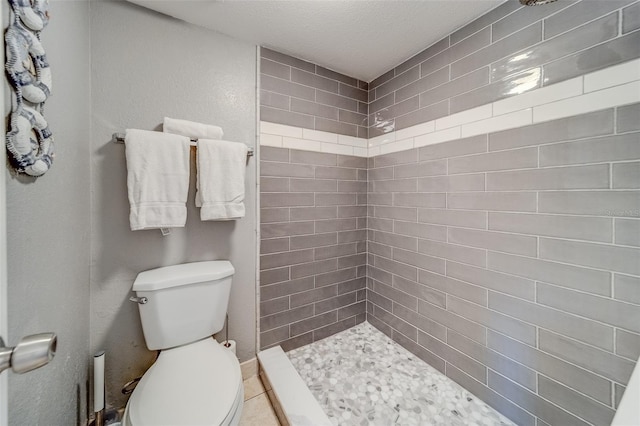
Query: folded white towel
{"points": [[157, 179], [192, 129], [220, 179]]}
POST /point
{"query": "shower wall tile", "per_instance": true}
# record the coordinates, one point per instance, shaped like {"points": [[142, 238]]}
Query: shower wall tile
{"points": [[508, 326], [488, 395], [275, 100], [497, 90], [514, 371], [592, 203], [627, 288], [484, 21], [397, 82], [545, 410], [572, 376], [572, 227], [507, 259], [286, 59], [529, 268], [524, 16], [275, 69], [631, 18], [579, 14], [580, 38], [311, 248], [608, 311], [567, 398], [283, 116], [628, 119], [521, 39], [611, 76], [598, 361], [507, 52], [475, 66], [577, 177], [626, 176], [299, 93], [597, 282], [593, 59], [628, 345]]}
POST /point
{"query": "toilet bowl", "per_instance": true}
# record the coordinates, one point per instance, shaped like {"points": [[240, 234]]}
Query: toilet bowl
{"points": [[194, 381], [195, 384]]}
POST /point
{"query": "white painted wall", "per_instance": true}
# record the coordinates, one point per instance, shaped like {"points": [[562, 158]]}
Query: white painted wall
{"points": [[146, 66], [48, 237]]}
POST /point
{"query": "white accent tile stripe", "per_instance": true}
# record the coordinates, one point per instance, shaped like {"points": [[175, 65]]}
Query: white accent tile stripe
{"points": [[555, 92], [468, 116], [280, 129], [417, 130], [316, 135], [606, 98], [611, 87], [383, 139], [612, 76], [350, 140], [437, 137], [333, 148], [500, 122], [401, 145], [283, 136], [304, 144], [270, 140]]}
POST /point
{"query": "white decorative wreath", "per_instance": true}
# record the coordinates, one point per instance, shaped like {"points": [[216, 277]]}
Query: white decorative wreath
{"points": [[29, 140]]}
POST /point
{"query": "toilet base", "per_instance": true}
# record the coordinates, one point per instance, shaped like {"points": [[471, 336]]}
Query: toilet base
{"points": [[195, 384], [233, 419]]}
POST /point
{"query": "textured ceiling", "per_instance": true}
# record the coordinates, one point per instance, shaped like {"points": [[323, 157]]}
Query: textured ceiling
{"points": [[360, 38]]}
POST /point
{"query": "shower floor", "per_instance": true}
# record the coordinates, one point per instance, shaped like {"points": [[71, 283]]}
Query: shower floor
{"points": [[361, 377]]}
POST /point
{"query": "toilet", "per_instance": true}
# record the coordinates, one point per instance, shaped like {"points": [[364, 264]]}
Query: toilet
{"points": [[194, 380]]}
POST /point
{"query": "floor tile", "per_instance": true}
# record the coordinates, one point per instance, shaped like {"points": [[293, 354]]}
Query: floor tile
{"points": [[361, 377], [258, 412], [252, 387]]}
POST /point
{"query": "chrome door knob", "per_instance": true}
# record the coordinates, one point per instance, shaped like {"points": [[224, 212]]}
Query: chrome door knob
{"points": [[32, 352]]}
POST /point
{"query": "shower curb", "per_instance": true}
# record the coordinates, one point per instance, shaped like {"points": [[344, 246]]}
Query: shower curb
{"points": [[292, 400]]}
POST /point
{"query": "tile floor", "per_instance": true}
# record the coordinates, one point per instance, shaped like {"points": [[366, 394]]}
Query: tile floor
{"points": [[361, 377], [257, 409]]}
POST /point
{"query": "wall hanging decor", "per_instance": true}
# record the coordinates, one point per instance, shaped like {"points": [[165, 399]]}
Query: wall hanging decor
{"points": [[29, 140]]}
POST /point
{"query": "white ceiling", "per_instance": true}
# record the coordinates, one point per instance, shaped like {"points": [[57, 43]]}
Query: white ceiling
{"points": [[360, 38]]}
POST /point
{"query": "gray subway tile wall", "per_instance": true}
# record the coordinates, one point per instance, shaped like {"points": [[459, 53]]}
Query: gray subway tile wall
{"points": [[313, 248], [508, 51], [298, 93], [508, 261], [533, 259]]}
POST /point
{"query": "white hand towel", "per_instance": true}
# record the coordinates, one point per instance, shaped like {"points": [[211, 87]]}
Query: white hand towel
{"points": [[192, 129], [220, 179], [157, 179]]}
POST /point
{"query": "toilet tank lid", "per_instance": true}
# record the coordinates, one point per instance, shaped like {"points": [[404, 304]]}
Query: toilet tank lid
{"points": [[183, 274]]}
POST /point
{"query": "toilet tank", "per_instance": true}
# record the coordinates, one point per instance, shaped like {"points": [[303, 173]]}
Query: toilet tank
{"points": [[184, 303]]}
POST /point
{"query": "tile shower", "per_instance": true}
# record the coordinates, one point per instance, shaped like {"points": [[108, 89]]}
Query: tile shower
{"points": [[313, 251], [507, 260], [360, 376]]}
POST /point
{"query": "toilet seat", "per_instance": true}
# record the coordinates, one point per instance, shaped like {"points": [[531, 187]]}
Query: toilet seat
{"points": [[195, 384]]}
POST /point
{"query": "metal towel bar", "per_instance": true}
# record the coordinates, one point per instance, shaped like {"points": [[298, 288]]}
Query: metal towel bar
{"points": [[119, 138]]}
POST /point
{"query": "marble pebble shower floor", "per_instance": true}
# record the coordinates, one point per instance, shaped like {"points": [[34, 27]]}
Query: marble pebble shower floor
{"points": [[361, 377]]}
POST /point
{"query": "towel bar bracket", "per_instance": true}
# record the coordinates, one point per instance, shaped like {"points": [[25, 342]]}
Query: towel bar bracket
{"points": [[119, 138]]}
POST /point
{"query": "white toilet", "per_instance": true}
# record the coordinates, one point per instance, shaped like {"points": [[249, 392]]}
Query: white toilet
{"points": [[195, 380]]}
